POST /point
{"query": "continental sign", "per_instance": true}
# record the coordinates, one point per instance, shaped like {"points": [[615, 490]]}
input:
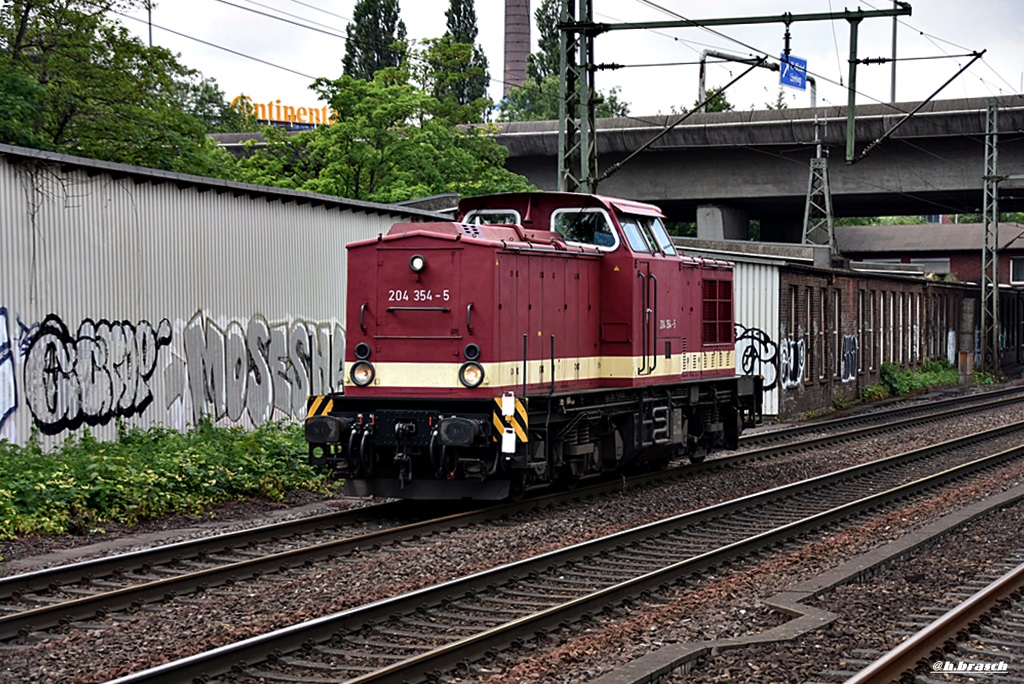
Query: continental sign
{"points": [[275, 112]]}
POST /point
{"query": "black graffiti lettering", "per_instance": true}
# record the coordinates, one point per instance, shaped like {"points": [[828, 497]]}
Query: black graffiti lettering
{"points": [[236, 364], [8, 390], [100, 373], [260, 394], [757, 354], [299, 357]]}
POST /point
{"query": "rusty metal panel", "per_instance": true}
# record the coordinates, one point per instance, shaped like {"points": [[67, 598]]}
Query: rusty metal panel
{"points": [[758, 336], [143, 297]]}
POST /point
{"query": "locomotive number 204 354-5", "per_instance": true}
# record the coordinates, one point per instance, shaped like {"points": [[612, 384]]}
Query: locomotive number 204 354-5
{"points": [[418, 295]]}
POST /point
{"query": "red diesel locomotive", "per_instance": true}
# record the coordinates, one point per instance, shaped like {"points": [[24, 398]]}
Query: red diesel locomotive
{"points": [[541, 338]]}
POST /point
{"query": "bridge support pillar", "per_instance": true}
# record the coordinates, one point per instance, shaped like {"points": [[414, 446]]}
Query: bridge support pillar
{"points": [[716, 222]]}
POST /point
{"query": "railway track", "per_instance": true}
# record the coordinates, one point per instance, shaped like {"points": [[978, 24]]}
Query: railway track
{"points": [[986, 631], [935, 410], [435, 628], [93, 589]]}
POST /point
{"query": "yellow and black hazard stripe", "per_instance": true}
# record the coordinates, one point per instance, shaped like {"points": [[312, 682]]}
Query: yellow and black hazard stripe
{"points": [[518, 421], [320, 405]]}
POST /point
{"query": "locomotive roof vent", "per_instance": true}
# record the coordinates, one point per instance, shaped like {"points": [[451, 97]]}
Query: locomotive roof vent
{"points": [[470, 230]]}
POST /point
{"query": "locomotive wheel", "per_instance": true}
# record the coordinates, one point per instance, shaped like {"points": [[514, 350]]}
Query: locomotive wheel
{"points": [[699, 456]]}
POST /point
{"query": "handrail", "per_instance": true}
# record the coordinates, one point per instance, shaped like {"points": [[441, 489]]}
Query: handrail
{"points": [[654, 326], [643, 321]]}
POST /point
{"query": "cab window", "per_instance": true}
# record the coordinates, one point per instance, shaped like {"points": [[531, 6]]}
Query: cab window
{"points": [[492, 216], [585, 227], [661, 236], [634, 234]]}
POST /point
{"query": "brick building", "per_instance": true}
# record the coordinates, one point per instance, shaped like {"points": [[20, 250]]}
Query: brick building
{"points": [[941, 248]]}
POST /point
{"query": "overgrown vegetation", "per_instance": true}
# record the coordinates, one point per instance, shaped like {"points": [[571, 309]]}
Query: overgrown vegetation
{"points": [[145, 474], [896, 382]]}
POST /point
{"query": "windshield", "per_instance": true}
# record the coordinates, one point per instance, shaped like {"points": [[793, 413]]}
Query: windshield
{"points": [[662, 237]]}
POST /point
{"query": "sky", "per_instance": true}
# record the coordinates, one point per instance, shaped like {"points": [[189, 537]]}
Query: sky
{"points": [[270, 59]]}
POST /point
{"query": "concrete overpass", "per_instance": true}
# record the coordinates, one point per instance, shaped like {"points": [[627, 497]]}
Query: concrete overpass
{"points": [[755, 164]]}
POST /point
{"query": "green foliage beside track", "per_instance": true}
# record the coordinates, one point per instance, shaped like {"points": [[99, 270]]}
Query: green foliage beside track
{"points": [[896, 382], [146, 474]]}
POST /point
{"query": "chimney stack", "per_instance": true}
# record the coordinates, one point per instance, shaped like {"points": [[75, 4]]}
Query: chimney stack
{"points": [[517, 42]]}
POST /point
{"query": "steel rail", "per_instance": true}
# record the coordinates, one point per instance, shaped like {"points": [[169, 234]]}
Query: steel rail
{"points": [[942, 408], [234, 656], [149, 592], [922, 646]]}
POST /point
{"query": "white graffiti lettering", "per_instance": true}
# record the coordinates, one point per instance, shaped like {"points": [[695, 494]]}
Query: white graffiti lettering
{"points": [[792, 357], [260, 367], [848, 357]]}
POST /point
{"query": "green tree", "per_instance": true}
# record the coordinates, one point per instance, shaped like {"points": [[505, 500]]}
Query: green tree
{"points": [[780, 101], [472, 81], [203, 99], [84, 86], [717, 103], [20, 115], [373, 39], [450, 72], [391, 143], [534, 101], [546, 61]]}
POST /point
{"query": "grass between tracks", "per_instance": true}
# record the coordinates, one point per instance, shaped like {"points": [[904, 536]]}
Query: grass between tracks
{"points": [[145, 474]]}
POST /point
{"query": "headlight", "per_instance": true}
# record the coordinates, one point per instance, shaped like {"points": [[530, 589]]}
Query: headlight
{"points": [[417, 263], [362, 373], [471, 374]]}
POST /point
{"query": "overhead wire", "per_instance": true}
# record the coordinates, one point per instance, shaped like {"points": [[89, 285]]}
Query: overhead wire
{"points": [[493, 80], [214, 45], [654, 5], [935, 40]]}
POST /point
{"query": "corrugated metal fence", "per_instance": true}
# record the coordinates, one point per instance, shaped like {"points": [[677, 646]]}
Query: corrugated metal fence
{"points": [[153, 297], [757, 326]]}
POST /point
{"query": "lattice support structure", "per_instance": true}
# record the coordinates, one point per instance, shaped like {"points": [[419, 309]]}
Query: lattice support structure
{"points": [[819, 222], [577, 140], [989, 361]]}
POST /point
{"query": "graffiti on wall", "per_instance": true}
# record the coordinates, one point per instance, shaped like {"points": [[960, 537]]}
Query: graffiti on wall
{"points": [[255, 367], [106, 370], [100, 372], [792, 360], [8, 391], [848, 357], [757, 354]]}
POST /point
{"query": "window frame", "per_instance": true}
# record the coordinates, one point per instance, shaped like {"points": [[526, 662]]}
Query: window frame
{"points": [[477, 213], [587, 210]]}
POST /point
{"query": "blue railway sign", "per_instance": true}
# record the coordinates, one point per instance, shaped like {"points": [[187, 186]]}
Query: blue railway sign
{"points": [[793, 72]]}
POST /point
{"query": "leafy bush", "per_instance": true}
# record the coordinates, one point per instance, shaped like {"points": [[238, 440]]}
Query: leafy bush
{"points": [[145, 474], [896, 382], [875, 392]]}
